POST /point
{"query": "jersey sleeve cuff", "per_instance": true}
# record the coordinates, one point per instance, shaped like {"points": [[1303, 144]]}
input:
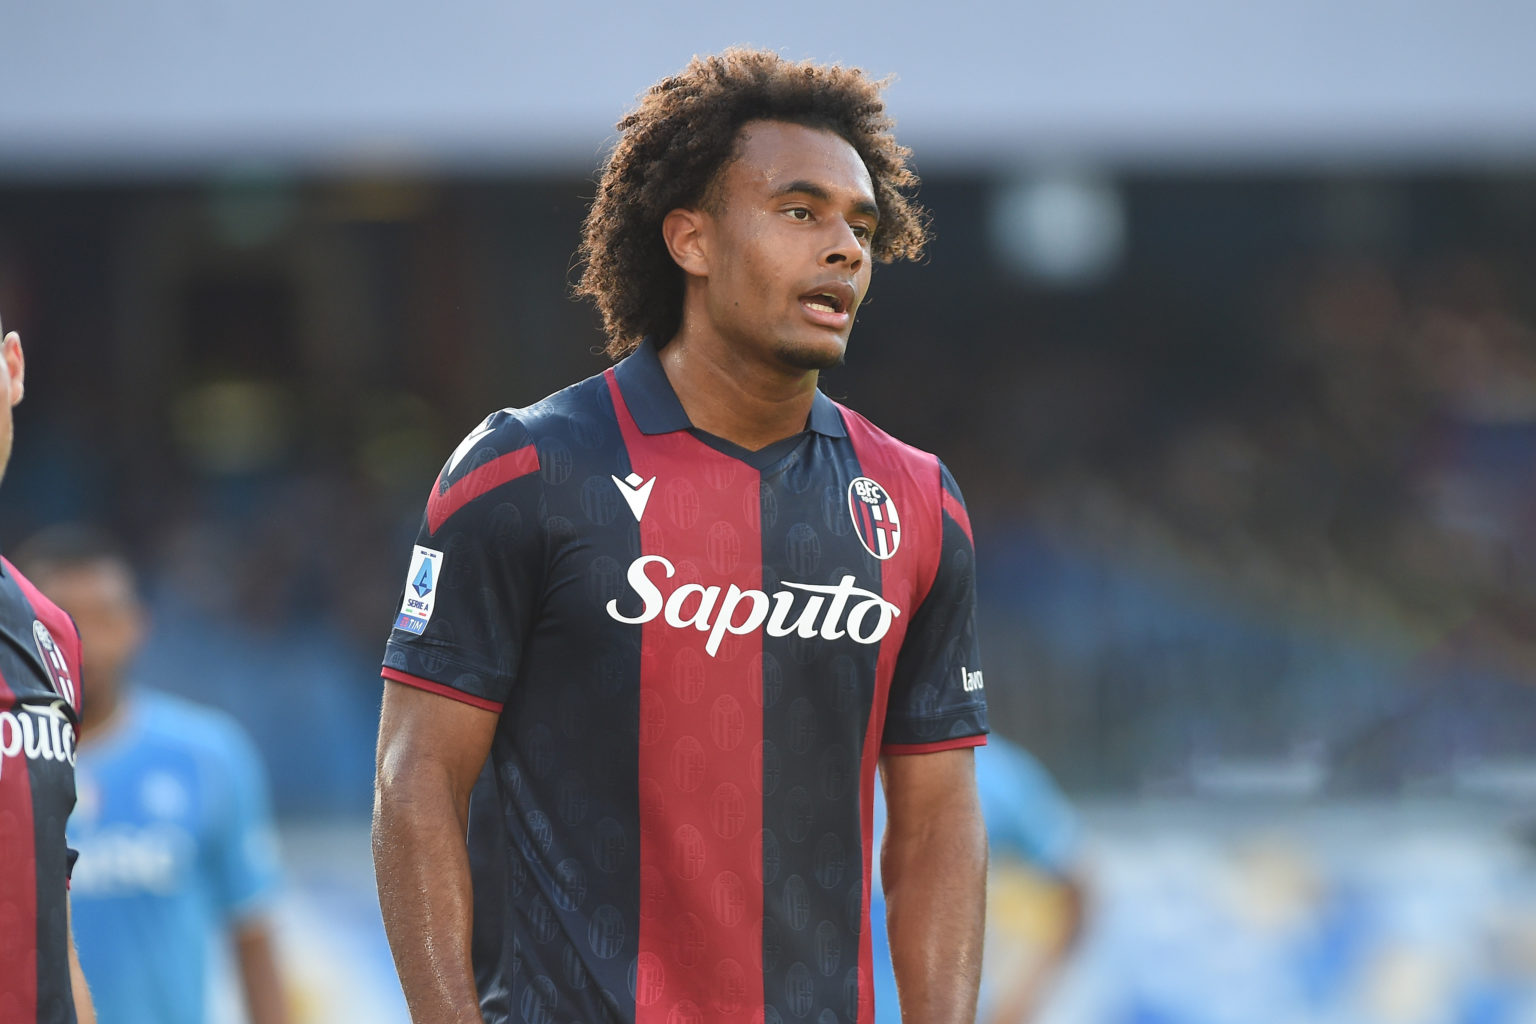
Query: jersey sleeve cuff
{"points": [[440, 689], [959, 743]]}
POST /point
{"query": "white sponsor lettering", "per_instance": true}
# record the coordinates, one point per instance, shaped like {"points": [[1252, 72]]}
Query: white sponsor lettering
{"points": [[970, 681], [830, 612], [38, 733], [125, 860]]}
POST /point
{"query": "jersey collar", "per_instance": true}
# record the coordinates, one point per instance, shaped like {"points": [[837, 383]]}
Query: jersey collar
{"points": [[655, 408]]}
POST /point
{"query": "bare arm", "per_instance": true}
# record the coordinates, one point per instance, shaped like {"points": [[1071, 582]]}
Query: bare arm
{"points": [[1021, 998], [265, 995], [85, 1011], [934, 864], [431, 750]]}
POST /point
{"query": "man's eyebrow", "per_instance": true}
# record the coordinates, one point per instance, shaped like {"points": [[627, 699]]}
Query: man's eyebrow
{"points": [[817, 192]]}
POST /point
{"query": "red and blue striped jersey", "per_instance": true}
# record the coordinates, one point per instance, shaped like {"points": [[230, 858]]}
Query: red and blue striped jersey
{"points": [[697, 653], [39, 716]]}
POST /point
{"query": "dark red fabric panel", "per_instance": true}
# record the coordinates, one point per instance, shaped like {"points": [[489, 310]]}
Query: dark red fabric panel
{"points": [[444, 503], [912, 480], [18, 901], [701, 815]]}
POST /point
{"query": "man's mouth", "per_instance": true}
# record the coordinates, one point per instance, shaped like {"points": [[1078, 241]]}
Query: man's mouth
{"points": [[829, 304], [824, 302]]}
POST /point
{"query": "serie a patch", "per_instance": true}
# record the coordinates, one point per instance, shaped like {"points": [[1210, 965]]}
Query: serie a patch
{"points": [[420, 590]]}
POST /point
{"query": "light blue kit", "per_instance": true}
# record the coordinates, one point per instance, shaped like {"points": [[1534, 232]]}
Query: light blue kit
{"points": [[176, 846]]}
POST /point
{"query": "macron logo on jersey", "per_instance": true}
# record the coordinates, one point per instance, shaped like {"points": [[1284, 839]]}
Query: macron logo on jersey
{"points": [[420, 590], [829, 612], [636, 492]]}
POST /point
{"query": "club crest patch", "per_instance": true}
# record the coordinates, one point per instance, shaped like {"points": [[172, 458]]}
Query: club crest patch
{"points": [[52, 656], [874, 517], [420, 590]]}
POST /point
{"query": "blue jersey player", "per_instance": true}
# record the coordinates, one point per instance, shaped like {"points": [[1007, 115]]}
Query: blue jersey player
{"points": [[178, 855], [677, 618]]}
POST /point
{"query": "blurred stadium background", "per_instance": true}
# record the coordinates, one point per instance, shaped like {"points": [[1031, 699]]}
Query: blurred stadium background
{"points": [[1229, 333]]}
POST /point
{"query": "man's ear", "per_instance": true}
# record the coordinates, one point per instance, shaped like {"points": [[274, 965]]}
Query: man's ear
{"points": [[686, 233], [16, 364]]}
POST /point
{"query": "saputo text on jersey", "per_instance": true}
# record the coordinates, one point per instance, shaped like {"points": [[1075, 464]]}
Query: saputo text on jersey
{"points": [[830, 612]]}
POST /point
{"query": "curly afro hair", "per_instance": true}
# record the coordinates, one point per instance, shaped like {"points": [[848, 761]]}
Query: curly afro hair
{"points": [[677, 140]]}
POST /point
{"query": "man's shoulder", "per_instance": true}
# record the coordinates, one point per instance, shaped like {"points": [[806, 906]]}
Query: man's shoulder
{"points": [[578, 415], [25, 596], [877, 443]]}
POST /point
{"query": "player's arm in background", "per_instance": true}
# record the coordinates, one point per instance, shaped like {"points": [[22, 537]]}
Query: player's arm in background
{"points": [[934, 858], [265, 994], [249, 875], [466, 609], [1023, 987], [1030, 821], [85, 1010]]}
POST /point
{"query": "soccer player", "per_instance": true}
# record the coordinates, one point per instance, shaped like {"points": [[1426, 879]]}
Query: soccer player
{"points": [[1036, 894], [675, 616], [40, 976], [177, 848]]}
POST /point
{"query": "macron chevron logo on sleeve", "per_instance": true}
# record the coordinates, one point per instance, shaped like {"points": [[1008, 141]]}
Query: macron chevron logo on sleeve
{"points": [[636, 492]]}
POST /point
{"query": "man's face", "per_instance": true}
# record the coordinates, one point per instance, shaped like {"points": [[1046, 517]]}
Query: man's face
{"points": [[100, 597], [12, 381], [789, 225]]}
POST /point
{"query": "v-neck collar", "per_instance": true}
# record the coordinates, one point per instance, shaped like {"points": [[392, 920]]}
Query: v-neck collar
{"points": [[656, 409]]}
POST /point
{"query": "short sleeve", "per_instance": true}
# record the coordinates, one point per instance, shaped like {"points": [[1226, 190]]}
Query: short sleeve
{"points": [[475, 573], [245, 863], [937, 698]]}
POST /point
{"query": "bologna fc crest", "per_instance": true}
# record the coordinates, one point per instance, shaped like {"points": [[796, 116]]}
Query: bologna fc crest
{"points": [[53, 660], [874, 517]]}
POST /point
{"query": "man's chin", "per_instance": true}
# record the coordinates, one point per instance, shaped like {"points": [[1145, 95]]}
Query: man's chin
{"points": [[812, 355]]}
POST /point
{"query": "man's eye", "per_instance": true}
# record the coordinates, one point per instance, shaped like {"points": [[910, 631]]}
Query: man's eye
{"points": [[861, 231], [800, 213]]}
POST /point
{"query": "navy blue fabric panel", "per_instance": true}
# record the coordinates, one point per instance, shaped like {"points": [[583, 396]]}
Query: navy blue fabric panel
{"points": [[463, 620], [817, 695]]}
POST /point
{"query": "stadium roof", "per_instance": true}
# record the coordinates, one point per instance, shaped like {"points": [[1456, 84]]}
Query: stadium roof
{"points": [[184, 86]]}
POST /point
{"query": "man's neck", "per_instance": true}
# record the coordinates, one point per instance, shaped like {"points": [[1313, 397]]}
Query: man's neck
{"points": [[104, 715], [742, 400]]}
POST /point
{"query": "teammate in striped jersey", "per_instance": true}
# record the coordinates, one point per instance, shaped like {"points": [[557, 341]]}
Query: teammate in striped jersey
{"points": [[40, 978]]}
